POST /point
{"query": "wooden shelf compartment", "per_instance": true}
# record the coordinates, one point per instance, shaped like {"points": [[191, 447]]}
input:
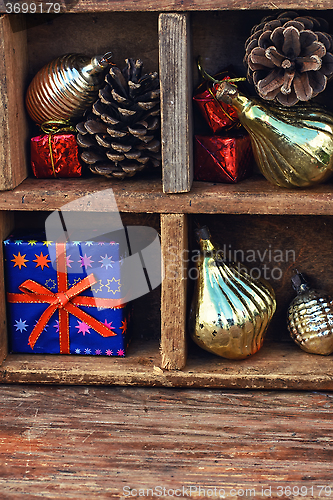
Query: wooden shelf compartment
{"points": [[31, 41]]}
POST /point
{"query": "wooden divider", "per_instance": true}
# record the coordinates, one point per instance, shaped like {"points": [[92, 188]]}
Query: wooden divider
{"points": [[176, 101], [174, 239], [6, 225], [13, 71]]}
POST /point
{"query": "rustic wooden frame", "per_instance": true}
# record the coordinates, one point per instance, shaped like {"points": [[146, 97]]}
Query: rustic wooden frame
{"points": [[168, 362]]}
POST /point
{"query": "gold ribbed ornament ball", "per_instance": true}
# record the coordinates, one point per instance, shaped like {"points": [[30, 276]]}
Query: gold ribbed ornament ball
{"points": [[65, 87], [310, 318]]}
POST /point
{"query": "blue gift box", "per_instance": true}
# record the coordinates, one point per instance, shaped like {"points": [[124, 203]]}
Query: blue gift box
{"points": [[65, 297]]}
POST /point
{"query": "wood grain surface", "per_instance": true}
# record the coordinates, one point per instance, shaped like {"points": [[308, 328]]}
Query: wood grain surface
{"points": [[14, 132], [176, 101], [177, 5], [174, 242], [275, 366], [78, 443], [251, 196]]}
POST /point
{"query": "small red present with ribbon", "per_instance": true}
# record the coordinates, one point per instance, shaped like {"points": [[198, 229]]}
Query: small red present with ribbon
{"points": [[59, 311], [55, 153], [219, 116], [223, 158]]}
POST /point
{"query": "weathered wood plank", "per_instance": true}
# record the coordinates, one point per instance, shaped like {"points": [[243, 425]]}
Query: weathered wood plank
{"points": [[275, 366], [176, 101], [174, 241], [178, 5], [13, 71], [6, 225], [251, 196], [82, 443]]}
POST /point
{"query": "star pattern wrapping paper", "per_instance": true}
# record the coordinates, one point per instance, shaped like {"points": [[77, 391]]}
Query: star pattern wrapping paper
{"points": [[31, 259]]}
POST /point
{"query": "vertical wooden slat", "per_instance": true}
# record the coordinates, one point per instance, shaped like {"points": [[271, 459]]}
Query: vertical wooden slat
{"points": [[174, 241], [14, 130], [6, 225], [176, 101]]}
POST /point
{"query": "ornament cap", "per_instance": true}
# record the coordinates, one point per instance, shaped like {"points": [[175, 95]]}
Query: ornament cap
{"points": [[203, 233], [299, 283], [98, 64]]}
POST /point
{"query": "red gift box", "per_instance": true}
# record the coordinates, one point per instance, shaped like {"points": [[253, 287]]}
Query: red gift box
{"points": [[222, 158], [219, 116], [55, 155]]}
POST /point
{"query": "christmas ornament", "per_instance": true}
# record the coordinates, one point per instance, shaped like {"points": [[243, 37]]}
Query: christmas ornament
{"points": [[310, 318], [293, 147], [289, 58], [218, 115], [222, 158], [55, 153], [230, 311], [65, 87], [121, 134]]}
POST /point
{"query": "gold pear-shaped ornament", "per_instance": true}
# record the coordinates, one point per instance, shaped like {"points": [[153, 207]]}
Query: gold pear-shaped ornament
{"points": [[293, 147], [310, 318], [230, 311]]}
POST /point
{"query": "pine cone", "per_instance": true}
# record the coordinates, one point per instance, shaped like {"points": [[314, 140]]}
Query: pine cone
{"points": [[120, 134], [289, 58]]}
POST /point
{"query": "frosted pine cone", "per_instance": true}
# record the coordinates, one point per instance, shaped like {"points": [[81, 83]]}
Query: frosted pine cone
{"points": [[289, 58], [120, 134]]}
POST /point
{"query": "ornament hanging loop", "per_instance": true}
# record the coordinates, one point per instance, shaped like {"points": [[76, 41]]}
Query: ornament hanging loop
{"points": [[207, 76]]}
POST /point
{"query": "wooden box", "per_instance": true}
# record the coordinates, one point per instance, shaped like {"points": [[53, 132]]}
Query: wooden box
{"points": [[251, 215]]}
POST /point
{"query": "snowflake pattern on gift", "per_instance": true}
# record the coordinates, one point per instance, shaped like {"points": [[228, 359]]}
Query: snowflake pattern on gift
{"points": [[106, 261], [109, 325], [50, 284], [82, 327], [19, 260], [6, 242], [42, 260], [109, 352], [87, 351], [56, 325], [21, 325], [77, 351], [69, 261], [120, 352], [47, 243], [89, 243], [18, 242], [76, 243], [98, 352], [75, 281], [45, 327], [113, 285], [85, 261], [123, 327], [97, 287], [32, 242]]}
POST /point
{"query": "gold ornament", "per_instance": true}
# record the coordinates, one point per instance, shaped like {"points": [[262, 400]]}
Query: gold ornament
{"points": [[293, 147], [310, 318], [230, 311], [65, 87]]}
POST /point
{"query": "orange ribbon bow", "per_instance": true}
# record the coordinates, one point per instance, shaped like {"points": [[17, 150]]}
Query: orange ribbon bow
{"points": [[65, 300]]}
